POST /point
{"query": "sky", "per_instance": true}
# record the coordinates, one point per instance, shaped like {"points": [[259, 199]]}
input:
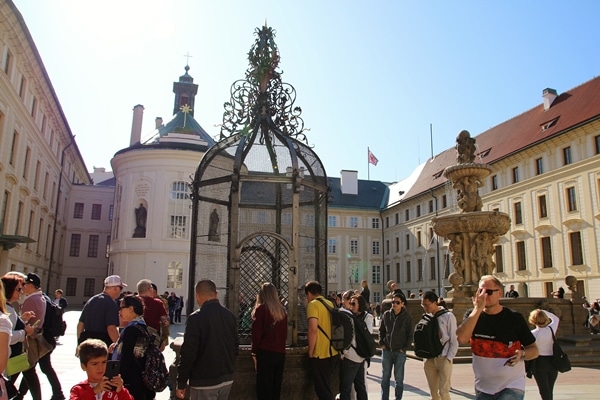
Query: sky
{"points": [[401, 78]]}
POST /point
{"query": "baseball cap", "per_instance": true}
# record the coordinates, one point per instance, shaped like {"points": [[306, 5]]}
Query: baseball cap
{"points": [[400, 293], [34, 279], [114, 280]]}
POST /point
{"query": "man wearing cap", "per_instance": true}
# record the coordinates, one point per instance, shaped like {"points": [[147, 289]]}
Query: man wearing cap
{"points": [[395, 336], [155, 314], [35, 301], [100, 315]]}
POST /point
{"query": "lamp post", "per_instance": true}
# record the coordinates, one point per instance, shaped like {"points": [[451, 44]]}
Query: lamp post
{"points": [[62, 164]]}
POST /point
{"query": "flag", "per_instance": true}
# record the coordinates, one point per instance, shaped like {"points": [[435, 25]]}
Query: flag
{"points": [[372, 159]]}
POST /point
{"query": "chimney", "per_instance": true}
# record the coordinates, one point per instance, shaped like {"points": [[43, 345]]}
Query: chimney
{"points": [[136, 126], [349, 181], [548, 95], [99, 169], [158, 122]]}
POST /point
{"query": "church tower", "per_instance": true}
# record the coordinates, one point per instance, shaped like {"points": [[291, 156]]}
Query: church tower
{"points": [[185, 92]]}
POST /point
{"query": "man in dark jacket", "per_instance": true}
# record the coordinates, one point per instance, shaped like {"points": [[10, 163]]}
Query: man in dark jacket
{"points": [[395, 336], [210, 344]]}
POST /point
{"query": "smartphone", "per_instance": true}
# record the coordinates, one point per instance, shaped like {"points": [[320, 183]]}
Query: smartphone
{"points": [[36, 323], [112, 368]]}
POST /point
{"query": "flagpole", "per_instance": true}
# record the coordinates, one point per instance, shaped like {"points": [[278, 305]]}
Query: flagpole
{"points": [[368, 164]]}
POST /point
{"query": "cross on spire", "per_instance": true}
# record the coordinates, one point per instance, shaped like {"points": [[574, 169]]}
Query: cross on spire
{"points": [[187, 55]]}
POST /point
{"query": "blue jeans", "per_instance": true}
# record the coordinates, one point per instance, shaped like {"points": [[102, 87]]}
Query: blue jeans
{"points": [[390, 359], [504, 394]]}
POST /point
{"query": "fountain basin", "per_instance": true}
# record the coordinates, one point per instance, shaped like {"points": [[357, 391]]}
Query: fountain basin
{"points": [[457, 172], [473, 222]]}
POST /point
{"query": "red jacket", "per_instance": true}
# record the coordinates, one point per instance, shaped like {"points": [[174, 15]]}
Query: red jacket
{"points": [[85, 391]]}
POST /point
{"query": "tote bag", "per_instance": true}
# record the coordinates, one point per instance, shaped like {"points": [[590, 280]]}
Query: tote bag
{"points": [[560, 360], [17, 364]]}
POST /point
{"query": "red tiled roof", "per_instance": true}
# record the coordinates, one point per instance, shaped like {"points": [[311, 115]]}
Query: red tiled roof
{"points": [[568, 110]]}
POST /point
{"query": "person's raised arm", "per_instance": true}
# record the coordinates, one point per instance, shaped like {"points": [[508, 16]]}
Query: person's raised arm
{"points": [[465, 330]]}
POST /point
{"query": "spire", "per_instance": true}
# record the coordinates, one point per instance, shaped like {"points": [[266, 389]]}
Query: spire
{"points": [[185, 91]]}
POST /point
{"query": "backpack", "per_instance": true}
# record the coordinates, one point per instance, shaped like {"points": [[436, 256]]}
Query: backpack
{"points": [[365, 344], [54, 325], [155, 375], [426, 337], [342, 328]]}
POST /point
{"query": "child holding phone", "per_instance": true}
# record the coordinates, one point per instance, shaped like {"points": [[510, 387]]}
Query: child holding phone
{"points": [[93, 355]]}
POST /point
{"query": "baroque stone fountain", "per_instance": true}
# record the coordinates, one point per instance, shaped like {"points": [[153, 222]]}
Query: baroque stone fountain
{"points": [[472, 232]]}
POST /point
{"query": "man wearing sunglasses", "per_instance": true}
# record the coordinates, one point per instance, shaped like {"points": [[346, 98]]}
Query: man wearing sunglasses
{"points": [[500, 342], [395, 336]]}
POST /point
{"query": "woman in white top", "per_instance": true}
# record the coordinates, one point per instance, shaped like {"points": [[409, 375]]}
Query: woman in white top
{"points": [[5, 332], [544, 372]]}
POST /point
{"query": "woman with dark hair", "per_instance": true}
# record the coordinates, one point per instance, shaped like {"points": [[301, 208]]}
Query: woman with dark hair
{"points": [[545, 374], [13, 288], [5, 332], [269, 334], [131, 346]]}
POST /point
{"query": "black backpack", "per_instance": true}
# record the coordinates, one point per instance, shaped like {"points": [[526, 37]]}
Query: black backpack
{"points": [[53, 319], [426, 337], [365, 344], [342, 328]]}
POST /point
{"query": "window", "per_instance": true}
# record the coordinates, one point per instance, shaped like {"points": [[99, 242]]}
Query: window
{"points": [[353, 246], [571, 199], [406, 214], [36, 179], [397, 272], [180, 191], [515, 174], [177, 227], [375, 223], [107, 250], [521, 260], [71, 288], [375, 247], [494, 182], [332, 221], [88, 287], [407, 241], [420, 270], [331, 246], [387, 222], [597, 143], [376, 297], [261, 218], [46, 179], [567, 156], [353, 222], [397, 219], [93, 246], [419, 241], [354, 273], [26, 163], [175, 275], [30, 226], [286, 218], [542, 205], [7, 63], [499, 259], [397, 244], [78, 211], [111, 211], [75, 243], [432, 268], [22, 87], [408, 274], [96, 211], [387, 247], [34, 108], [310, 244], [546, 252], [539, 166], [310, 220], [13, 148], [418, 210], [430, 206], [576, 248], [518, 213], [444, 201], [19, 211]]}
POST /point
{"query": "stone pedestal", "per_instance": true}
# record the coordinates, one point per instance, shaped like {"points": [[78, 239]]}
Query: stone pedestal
{"points": [[297, 382]]}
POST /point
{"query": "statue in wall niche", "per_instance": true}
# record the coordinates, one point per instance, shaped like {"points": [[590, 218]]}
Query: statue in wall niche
{"points": [[456, 253], [141, 215], [213, 226], [467, 198], [481, 254], [465, 147]]}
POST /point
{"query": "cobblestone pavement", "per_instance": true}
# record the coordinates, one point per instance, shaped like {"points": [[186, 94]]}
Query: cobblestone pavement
{"points": [[578, 384]]}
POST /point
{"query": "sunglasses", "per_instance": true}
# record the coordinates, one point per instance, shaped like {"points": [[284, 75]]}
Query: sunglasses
{"points": [[19, 289], [352, 303], [490, 292], [396, 302]]}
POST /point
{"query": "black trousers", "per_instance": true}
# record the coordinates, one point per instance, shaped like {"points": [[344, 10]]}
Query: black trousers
{"points": [[269, 374], [30, 382], [321, 370], [545, 376]]}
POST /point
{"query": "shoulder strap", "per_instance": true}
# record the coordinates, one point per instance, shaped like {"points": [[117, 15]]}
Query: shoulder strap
{"points": [[553, 338], [440, 312]]}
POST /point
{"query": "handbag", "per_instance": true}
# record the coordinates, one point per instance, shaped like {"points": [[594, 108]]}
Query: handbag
{"points": [[37, 347], [17, 364], [11, 389], [560, 359]]}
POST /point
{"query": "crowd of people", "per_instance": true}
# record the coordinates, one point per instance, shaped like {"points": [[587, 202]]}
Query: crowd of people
{"points": [[117, 326]]}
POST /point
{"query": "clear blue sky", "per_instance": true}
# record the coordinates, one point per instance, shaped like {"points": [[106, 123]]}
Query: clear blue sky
{"points": [[367, 74]]}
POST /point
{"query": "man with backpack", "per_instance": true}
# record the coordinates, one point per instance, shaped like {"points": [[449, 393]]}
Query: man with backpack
{"points": [[37, 302], [352, 367], [322, 358], [395, 337], [438, 369]]}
